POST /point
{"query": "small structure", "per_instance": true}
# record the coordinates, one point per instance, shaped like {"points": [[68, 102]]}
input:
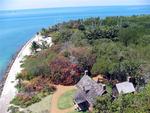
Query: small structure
{"points": [[123, 88], [87, 92]]}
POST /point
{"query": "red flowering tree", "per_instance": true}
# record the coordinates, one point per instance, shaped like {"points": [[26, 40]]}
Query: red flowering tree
{"points": [[64, 72]]}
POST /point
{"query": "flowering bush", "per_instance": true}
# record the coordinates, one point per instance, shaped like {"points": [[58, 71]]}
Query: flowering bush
{"points": [[64, 72]]}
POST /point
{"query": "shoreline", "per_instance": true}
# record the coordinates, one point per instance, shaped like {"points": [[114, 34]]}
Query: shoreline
{"points": [[8, 83], [9, 80], [7, 69], [9, 65]]}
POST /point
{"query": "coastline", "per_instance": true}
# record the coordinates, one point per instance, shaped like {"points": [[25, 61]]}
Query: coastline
{"points": [[8, 67], [9, 80]]}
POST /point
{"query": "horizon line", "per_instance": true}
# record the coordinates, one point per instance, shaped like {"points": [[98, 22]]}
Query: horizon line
{"points": [[59, 7]]}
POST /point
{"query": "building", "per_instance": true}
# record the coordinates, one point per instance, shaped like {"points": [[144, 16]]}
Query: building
{"points": [[87, 91], [123, 88]]}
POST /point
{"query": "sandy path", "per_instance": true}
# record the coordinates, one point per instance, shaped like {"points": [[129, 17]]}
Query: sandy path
{"points": [[60, 90], [9, 90]]}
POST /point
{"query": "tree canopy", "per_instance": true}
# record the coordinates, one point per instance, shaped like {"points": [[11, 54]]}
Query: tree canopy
{"points": [[116, 47]]}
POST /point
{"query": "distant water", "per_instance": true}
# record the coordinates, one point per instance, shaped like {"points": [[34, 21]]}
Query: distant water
{"points": [[17, 27]]}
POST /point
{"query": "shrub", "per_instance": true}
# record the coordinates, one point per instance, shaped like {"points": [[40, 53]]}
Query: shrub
{"points": [[25, 100], [66, 54], [37, 65]]}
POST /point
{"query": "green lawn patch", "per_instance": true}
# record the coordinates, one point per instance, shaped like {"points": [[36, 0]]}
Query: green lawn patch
{"points": [[66, 100]]}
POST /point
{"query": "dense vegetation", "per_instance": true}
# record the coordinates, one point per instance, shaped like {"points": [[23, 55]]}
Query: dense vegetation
{"points": [[116, 47], [129, 103]]}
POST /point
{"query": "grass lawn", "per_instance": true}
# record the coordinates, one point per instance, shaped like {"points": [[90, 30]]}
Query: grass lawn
{"points": [[41, 107], [66, 100], [78, 112]]}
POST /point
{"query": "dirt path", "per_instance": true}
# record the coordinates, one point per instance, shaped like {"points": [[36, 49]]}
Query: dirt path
{"points": [[60, 90]]}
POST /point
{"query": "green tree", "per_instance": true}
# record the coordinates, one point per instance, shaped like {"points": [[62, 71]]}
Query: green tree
{"points": [[34, 46], [103, 104], [128, 35]]}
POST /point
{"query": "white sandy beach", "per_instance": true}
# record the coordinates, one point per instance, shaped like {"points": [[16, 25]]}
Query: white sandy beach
{"points": [[9, 90]]}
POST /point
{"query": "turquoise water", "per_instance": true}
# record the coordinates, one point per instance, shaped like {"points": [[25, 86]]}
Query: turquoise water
{"points": [[17, 27]]}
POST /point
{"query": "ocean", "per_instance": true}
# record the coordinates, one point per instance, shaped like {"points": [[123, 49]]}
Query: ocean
{"points": [[18, 26]]}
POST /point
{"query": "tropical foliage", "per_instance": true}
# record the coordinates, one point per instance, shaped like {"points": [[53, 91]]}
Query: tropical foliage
{"points": [[116, 47], [129, 103]]}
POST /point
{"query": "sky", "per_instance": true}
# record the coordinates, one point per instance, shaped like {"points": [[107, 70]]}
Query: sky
{"points": [[31, 4]]}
